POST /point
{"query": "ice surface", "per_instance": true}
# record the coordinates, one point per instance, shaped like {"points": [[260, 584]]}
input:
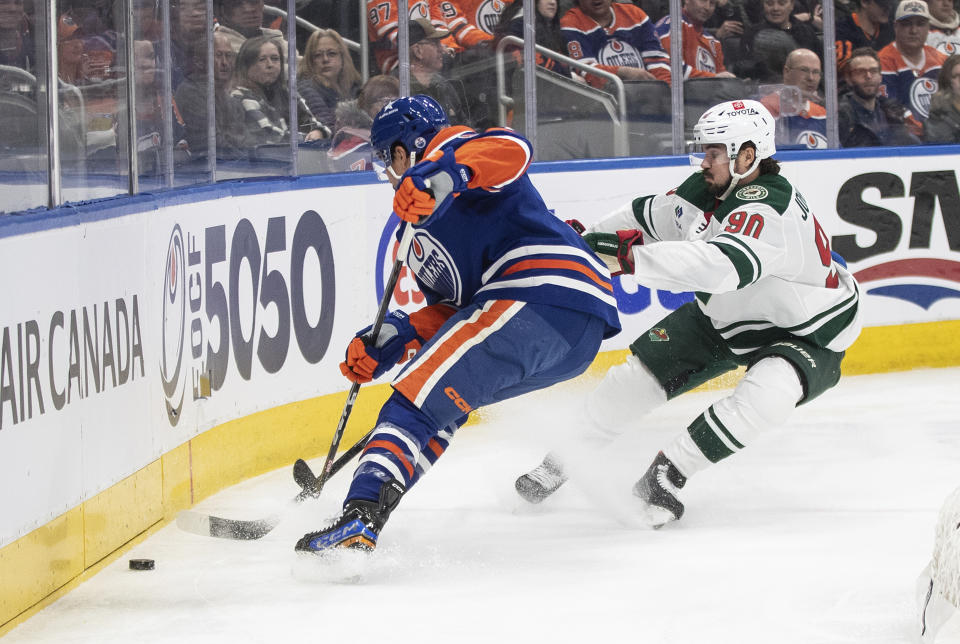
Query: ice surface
{"points": [[814, 534]]}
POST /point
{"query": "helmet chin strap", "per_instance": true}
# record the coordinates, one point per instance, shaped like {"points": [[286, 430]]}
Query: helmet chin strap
{"points": [[735, 177], [390, 171]]}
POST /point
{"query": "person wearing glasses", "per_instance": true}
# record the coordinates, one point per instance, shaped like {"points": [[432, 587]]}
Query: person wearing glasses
{"points": [[259, 88], [797, 105], [326, 74], [867, 117]]}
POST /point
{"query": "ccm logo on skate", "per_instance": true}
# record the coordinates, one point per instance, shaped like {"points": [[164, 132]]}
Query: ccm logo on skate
{"points": [[461, 404]]}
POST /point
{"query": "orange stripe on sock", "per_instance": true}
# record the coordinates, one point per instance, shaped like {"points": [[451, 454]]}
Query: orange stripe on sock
{"points": [[414, 381], [435, 447], [393, 449], [564, 264]]}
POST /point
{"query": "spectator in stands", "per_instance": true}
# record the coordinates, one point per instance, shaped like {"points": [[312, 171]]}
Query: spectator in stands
{"points": [[471, 24], [910, 66], [90, 23], [16, 36], [547, 30], [242, 19], [944, 27], [260, 91], [146, 20], [188, 40], [765, 46], [869, 26], [943, 124], [194, 108], [866, 117], [726, 25], [798, 108], [382, 25], [351, 148], [326, 74], [426, 71], [702, 53], [617, 38]]}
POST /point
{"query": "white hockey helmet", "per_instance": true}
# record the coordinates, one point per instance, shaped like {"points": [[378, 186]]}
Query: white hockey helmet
{"points": [[733, 123]]}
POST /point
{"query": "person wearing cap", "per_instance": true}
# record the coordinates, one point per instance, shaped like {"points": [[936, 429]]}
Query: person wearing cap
{"points": [[910, 66], [426, 71], [944, 27], [869, 26]]}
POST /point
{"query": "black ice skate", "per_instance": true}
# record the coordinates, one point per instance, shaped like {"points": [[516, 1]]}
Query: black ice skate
{"points": [[541, 481], [359, 524], [658, 489]]}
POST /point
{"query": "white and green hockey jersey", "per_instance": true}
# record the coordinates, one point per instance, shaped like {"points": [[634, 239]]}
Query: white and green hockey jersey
{"points": [[759, 261]]}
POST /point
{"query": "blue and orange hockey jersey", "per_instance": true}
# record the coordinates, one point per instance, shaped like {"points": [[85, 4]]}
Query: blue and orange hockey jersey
{"points": [[911, 86], [806, 129], [702, 53], [629, 41], [472, 21], [499, 241]]}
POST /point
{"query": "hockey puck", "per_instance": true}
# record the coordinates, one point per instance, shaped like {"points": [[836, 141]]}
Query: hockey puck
{"points": [[141, 564]]}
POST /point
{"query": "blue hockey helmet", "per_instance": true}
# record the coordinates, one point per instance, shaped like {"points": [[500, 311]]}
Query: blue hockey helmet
{"points": [[411, 121]]}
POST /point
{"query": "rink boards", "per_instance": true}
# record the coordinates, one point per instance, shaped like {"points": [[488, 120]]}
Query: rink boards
{"points": [[154, 350]]}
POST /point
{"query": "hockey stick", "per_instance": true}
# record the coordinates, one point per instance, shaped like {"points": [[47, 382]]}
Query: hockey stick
{"points": [[209, 525], [214, 526], [326, 472]]}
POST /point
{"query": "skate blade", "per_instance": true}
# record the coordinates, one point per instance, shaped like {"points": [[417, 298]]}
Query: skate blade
{"points": [[333, 566], [655, 517]]}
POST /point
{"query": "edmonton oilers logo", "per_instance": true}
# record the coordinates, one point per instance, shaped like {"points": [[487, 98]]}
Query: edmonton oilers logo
{"points": [[705, 61], [619, 54], [812, 140], [948, 47], [488, 15], [434, 267], [921, 92], [419, 10], [173, 327]]}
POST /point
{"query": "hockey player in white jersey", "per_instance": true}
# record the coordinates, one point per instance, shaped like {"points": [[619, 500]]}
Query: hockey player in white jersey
{"points": [[770, 296]]}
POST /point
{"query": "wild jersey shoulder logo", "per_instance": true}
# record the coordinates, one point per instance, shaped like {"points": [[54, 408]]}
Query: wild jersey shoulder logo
{"points": [[617, 53], [921, 91], [658, 334], [752, 193], [434, 266]]}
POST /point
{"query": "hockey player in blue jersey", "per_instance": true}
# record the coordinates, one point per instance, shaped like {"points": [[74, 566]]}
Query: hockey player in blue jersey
{"points": [[516, 302]]}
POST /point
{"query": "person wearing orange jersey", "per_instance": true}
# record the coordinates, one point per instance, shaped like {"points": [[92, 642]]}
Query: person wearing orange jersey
{"points": [[383, 25], [702, 53], [910, 66]]}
